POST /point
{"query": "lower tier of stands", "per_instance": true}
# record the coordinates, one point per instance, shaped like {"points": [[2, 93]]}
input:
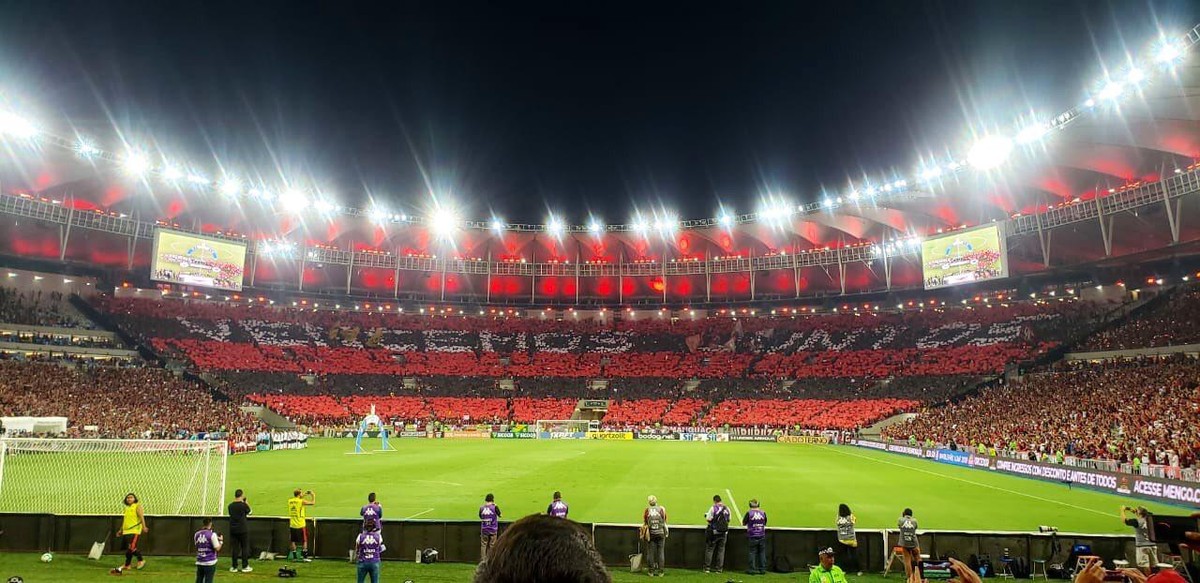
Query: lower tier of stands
{"points": [[319, 410]]}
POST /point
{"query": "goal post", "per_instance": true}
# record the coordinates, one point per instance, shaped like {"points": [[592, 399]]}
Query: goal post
{"points": [[92, 476], [562, 428]]}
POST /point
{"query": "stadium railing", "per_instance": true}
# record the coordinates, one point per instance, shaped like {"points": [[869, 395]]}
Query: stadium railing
{"points": [[458, 541]]}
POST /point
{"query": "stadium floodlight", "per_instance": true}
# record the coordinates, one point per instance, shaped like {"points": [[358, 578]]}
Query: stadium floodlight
{"points": [[931, 173], [1135, 76], [136, 163], [197, 179], [639, 225], [1032, 133], [827, 203], [16, 126], [726, 220], [497, 226], [324, 206], [230, 186], [294, 199], [85, 149], [901, 183], [1167, 52], [171, 172], [989, 152], [595, 227], [555, 226], [666, 224], [1111, 91], [444, 221], [379, 215]]}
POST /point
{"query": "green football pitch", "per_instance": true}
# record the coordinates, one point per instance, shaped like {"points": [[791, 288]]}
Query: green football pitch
{"points": [[608, 481]]}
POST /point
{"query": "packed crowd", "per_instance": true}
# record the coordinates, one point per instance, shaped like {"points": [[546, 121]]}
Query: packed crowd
{"points": [[1171, 323], [130, 403], [39, 309], [1143, 409], [217, 337]]}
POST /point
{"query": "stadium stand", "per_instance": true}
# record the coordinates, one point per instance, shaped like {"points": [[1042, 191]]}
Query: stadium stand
{"points": [[1170, 323], [35, 308], [1116, 410]]}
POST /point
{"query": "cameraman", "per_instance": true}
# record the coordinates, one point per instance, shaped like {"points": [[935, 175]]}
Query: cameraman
{"points": [[1145, 550]]}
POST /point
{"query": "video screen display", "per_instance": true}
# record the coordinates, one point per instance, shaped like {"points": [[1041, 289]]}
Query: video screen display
{"points": [[964, 257], [188, 259]]}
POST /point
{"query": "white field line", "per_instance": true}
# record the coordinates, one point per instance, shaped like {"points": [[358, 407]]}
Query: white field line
{"points": [[421, 513], [438, 482], [738, 513], [972, 482]]}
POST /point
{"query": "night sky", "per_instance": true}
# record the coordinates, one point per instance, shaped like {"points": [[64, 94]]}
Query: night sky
{"points": [[518, 108]]}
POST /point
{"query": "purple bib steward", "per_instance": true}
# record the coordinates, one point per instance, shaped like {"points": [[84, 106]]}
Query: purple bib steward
{"points": [[489, 519], [369, 546], [374, 513], [206, 547], [557, 509], [756, 524]]}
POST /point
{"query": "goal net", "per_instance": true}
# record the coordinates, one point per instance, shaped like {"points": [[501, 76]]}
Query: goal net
{"points": [[92, 476], [562, 428]]}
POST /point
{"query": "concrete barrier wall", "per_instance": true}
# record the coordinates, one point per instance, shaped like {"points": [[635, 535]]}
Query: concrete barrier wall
{"points": [[458, 541]]}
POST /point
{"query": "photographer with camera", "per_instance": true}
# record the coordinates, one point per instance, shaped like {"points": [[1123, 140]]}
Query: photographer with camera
{"points": [[1145, 550], [239, 511]]}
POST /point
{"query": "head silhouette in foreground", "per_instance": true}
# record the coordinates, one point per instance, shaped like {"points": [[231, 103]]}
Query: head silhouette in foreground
{"points": [[543, 549]]}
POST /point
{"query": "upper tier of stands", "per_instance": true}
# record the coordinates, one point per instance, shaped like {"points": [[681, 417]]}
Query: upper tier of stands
{"points": [[225, 337], [35, 308], [1171, 323]]}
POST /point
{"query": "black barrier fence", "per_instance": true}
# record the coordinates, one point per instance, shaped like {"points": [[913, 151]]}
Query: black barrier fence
{"points": [[459, 541]]}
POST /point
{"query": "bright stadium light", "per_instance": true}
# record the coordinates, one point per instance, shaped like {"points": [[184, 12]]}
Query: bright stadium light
{"points": [[666, 224], [595, 227], [136, 163], [171, 172], [294, 199], [230, 186], [497, 226], [726, 220], [639, 225], [1135, 76], [1032, 133], [324, 206], [444, 222], [85, 149], [555, 226], [379, 215], [989, 152], [1167, 52], [931, 173], [16, 126], [197, 179], [1111, 91]]}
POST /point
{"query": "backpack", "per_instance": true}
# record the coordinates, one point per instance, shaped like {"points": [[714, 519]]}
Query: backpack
{"points": [[655, 522], [720, 522]]}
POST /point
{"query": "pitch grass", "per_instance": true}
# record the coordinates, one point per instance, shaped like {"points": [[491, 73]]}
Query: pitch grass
{"points": [[76, 568], [608, 481]]}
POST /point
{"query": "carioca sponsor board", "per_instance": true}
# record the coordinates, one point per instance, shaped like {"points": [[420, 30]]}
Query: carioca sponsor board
{"points": [[1160, 489], [613, 435]]}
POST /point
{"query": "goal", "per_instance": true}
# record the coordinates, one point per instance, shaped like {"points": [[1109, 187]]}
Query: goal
{"points": [[562, 428], [92, 476]]}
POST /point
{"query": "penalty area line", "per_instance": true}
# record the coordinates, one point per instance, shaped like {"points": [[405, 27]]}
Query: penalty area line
{"points": [[421, 513], [733, 502]]}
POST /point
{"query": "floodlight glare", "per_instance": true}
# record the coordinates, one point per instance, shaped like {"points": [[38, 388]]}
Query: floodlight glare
{"points": [[171, 172], [498, 225], [85, 149], [725, 220], [931, 173], [1168, 52], [16, 126], [136, 163], [595, 227], [1111, 91], [324, 206], [1032, 133], [378, 215], [555, 226], [640, 226], [294, 199], [197, 179], [989, 152], [1135, 76], [444, 222], [230, 186]]}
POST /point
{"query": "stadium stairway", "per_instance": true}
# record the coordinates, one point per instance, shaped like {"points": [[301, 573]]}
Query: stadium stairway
{"points": [[266, 415], [877, 429], [86, 309]]}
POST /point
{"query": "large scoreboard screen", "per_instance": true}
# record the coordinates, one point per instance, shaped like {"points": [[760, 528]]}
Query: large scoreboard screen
{"points": [[188, 259], [964, 257]]}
